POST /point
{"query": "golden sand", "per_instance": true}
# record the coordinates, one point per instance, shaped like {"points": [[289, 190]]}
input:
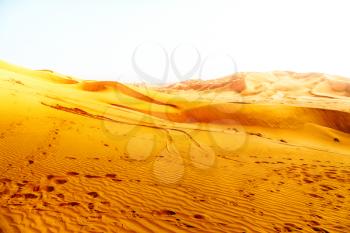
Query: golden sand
{"points": [[248, 153]]}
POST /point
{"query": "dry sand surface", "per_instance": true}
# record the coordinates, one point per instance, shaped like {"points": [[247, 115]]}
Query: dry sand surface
{"points": [[253, 152]]}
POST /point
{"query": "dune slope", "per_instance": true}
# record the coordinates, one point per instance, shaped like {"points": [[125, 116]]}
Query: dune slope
{"points": [[253, 156]]}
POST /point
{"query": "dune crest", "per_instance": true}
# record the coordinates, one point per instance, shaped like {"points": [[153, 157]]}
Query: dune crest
{"points": [[47, 75], [250, 83]]}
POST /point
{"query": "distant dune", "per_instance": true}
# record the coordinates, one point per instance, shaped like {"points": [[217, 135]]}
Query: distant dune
{"points": [[289, 83], [250, 152]]}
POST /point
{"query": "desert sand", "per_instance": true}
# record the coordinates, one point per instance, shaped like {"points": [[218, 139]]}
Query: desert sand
{"points": [[250, 152]]}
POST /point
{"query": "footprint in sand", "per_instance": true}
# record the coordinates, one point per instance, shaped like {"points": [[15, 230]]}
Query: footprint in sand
{"points": [[91, 206], [61, 181], [73, 203], [30, 196], [50, 188], [92, 176], [111, 175], [198, 216], [72, 173], [93, 194]]}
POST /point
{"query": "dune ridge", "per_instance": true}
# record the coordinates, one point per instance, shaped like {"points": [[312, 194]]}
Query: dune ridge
{"points": [[253, 83]]}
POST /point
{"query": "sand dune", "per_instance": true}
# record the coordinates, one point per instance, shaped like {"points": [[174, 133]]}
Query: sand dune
{"points": [[253, 152], [268, 83]]}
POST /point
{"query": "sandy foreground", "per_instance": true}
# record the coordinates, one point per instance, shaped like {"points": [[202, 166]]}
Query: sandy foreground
{"points": [[248, 153]]}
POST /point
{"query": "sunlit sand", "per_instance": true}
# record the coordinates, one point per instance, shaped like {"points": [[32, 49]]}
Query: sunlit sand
{"points": [[253, 152]]}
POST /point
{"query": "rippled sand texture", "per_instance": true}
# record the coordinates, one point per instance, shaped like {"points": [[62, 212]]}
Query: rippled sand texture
{"points": [[246, 153]]}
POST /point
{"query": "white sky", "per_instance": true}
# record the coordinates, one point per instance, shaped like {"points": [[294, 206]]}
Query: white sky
{"points": [[97, 39]]}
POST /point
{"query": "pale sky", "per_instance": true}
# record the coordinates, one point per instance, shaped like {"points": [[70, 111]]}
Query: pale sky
{"points": [[97, 39]]}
